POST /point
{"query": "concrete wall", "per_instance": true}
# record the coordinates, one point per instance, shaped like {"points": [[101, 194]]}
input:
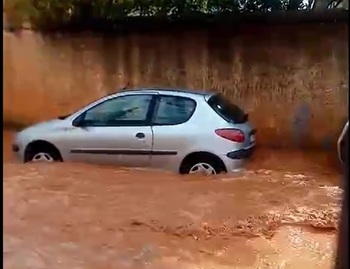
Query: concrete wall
{"points": [[292, 79]]}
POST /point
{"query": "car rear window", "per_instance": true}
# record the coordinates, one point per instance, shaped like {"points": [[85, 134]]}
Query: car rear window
{"points": [[227, 110]]}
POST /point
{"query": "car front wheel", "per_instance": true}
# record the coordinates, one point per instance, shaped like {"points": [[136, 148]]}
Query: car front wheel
{"points": [[43, 157], [41, 151]]}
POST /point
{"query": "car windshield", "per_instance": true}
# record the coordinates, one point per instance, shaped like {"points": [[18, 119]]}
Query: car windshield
{"points": [[227, 110]]}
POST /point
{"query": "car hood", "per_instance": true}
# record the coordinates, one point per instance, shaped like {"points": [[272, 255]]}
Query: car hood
{"points": [[44, 126]]}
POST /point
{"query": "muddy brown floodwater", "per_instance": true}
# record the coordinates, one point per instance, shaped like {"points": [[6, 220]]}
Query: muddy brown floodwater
{"points": [[281, 212]]}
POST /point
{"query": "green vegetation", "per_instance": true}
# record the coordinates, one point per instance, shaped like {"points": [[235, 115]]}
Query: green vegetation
{"points": [[60, 13]]}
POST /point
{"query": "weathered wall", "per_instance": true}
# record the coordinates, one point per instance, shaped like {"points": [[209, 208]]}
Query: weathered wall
{"points": [[289, 78]]}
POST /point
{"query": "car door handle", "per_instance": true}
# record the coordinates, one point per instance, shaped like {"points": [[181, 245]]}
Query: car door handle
{"points": [[140, 135]]}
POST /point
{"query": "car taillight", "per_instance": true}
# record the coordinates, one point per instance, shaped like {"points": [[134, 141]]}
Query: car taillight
{"points": [[234, 135]]}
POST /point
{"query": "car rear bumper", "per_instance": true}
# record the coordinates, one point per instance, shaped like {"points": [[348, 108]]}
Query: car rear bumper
{"points": [[241, 153], [234, 161]]}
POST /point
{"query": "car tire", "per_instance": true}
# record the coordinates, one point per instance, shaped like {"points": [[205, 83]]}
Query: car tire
{"points": [[206, 165], [47, 153], [44, 156]]}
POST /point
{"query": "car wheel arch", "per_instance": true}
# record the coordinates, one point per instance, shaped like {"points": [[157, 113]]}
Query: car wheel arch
{"points": [[41, 144], [199, 155]]}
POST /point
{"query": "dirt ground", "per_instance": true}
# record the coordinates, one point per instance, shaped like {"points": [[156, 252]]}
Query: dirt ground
{"points": [[281, 212]]}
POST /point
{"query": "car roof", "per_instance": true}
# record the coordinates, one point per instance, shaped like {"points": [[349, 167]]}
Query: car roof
{"points": [[164, 90]]}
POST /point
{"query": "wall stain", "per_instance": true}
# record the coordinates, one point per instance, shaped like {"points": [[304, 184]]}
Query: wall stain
{"points": [[291, 79]]}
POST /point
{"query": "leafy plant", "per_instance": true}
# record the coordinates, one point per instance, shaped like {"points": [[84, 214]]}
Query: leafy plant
{"points": [[56, 13]]}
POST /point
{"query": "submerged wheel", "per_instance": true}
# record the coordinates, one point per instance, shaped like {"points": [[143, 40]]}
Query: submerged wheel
{"points": [[202, 168], [202, 163], [43, 157], [42, 152]]}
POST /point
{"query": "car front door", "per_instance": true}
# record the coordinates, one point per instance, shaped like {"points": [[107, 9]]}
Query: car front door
{"points": [[116, 131]]}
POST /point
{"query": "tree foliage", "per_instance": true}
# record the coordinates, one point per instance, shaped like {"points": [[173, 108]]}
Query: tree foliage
{"points": [[44, 13]]}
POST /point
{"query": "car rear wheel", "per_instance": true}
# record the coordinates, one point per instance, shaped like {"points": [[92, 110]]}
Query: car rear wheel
{"points": [[202, 164], [202, 168]]}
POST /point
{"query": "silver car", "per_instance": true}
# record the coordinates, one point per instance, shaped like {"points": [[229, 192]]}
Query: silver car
{"points": [[180, 130]]}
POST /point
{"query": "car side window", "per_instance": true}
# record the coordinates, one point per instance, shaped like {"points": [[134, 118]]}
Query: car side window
{"points": [[173, 110], [120, 111]]}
